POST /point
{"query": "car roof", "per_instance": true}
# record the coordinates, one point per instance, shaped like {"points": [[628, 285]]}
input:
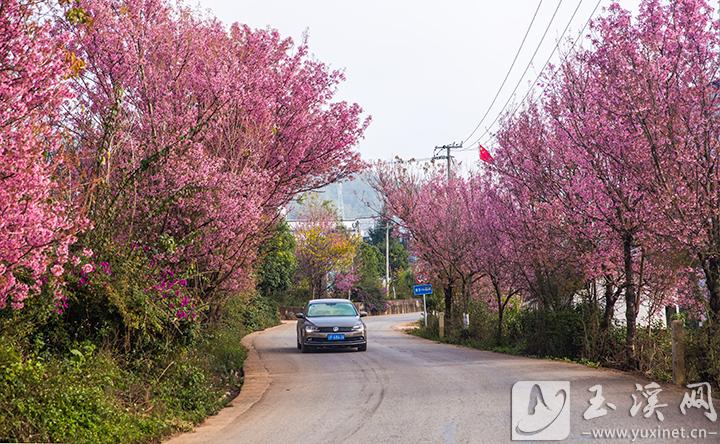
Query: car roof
{"points": [[315, 301]]}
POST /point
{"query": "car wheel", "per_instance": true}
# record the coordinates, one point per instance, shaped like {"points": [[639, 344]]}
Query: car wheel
{"points": [[362, 348], [305, 348], [298, 344]]}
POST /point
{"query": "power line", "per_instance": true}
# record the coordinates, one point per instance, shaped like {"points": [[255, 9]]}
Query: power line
{"points": [[527, 67], [552, 77], [572, 46], [507, 74]]}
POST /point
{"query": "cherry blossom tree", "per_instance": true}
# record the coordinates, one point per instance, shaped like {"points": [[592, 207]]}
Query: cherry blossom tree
{"points": [[435, 213], [494, 252], [200, 134], [676, 108], [528, 177], [598, 151], [38, 220]]}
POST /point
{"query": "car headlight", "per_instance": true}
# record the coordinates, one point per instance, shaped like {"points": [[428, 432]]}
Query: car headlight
{"points": [[311, 329], [358, 327]]}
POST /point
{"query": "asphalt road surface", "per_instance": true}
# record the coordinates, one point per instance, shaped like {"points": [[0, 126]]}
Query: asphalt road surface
{"points": [[410, 390]]}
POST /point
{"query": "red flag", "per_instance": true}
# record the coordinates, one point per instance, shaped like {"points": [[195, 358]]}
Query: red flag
{"points": [[485, 155]]}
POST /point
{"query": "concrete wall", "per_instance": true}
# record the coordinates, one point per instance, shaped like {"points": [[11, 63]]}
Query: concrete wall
{"points": [[401, 306], [645, 316]]}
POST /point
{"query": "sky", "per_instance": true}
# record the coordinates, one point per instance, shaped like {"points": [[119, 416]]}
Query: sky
{"points": [[426, 71]]}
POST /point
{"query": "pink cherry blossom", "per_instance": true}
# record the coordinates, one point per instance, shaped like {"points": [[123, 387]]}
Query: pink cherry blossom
{"points": [[57, 270], [37, 221], [199, 134], [607, 180]]}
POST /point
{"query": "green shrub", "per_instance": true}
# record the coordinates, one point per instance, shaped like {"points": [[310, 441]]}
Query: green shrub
{"points": [[296, 296], [483, 324], [703, 353], [239, 318], [653, 345], [84, 393], [69, 399], [574, 334], [552, 333]]}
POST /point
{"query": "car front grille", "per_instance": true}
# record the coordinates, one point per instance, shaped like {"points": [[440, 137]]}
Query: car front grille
{"points": [[332, 329]]}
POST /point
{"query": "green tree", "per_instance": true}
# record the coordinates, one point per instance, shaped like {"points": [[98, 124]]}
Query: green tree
{"points": [[323, 246], [398, 252], [404, 282], [370, 264], [278, 265]]}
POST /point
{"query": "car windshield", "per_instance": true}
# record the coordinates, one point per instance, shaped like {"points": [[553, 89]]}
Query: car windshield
{"points": [[320, 309]]}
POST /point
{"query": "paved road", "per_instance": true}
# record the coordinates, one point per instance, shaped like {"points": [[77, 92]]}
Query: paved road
{"points": [[409, 390]]}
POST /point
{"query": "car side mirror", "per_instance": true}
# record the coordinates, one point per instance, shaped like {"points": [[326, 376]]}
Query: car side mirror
{"points": [[299, 315], [363, 314]]}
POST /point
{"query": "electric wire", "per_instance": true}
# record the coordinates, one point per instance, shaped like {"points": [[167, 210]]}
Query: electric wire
{"points": [[507, 74], [527, 67], [551, 77]]}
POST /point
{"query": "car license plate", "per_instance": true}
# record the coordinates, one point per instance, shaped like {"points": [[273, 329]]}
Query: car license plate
{"points": [[335, 337]]}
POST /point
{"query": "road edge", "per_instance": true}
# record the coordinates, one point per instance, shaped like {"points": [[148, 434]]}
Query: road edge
{"points": [[405, 326], [402, 328], [256, 381]]}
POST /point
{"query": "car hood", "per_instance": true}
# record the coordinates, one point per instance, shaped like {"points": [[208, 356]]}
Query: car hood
{"points": [[334, 321]]}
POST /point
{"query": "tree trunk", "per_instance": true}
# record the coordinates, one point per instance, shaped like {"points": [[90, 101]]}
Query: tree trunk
{"points": [[501, 310], [630, 303], [610, 300], [465, 294], [448, 303], [214, 313], [711, 268], [318, 287]]}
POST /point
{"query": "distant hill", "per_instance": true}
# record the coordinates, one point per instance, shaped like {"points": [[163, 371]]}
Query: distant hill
{"points": [[359, 199]]}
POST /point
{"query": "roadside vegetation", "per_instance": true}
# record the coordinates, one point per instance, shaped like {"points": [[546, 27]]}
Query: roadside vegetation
{"points": [[593, 219], [58, 387], [574, 335], [146, 152]]}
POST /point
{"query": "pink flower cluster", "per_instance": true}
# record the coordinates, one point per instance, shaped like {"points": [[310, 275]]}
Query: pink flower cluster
{"points": [[216, 129], [37, 221], [175, 296], [183, 135]]}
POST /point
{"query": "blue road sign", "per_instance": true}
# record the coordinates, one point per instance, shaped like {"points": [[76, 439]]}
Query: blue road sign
{"points": [[421, 290]]}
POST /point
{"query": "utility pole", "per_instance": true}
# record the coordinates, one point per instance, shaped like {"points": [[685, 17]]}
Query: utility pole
{"points": [[447, 155], [340, 201], [387, 260]]}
